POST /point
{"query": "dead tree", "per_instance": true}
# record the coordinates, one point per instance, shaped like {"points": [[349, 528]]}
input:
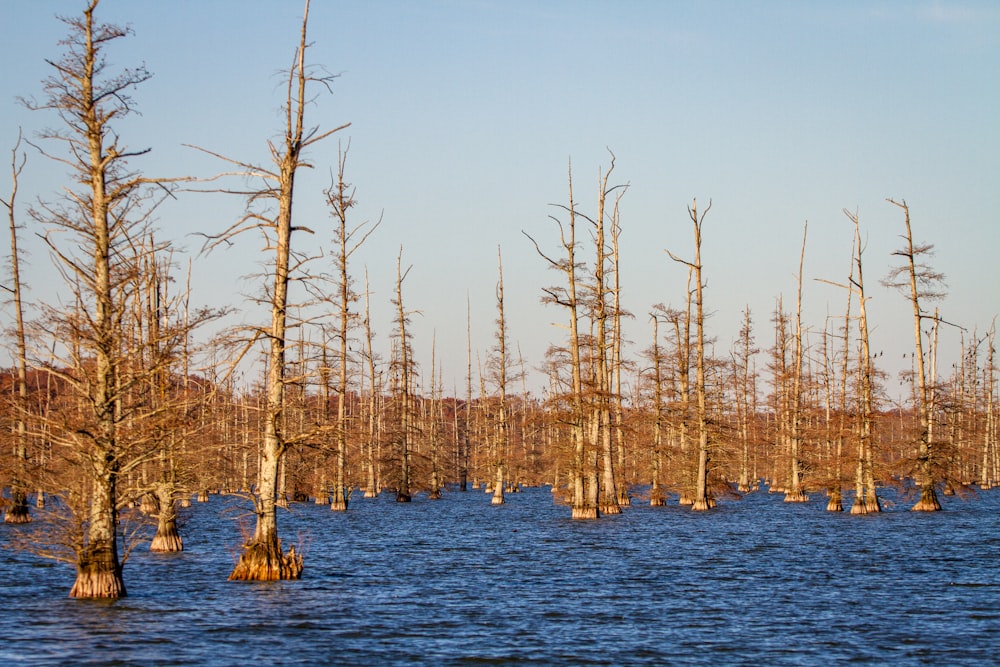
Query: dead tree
{"points": [[96, 238], [584, 481], [263, 558], [502, 426], [795, 493], [403, 378], [702, 499], [18, 510], [919, 282], [340, 199]]}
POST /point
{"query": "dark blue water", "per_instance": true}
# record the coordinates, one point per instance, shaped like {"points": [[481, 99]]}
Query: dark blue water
{"points": [[460, 582]]}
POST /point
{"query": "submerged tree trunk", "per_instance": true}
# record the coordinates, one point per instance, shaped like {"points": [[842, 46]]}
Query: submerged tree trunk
{"points": [[583, 494], [502, 427], [167, 538], [796, 494], [18, 512], [403, 389], [263, 559], [702, 499], [910, 278], [98, 567]]}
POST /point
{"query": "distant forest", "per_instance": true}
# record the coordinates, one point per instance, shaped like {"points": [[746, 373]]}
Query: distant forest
{"points": [[113, 407]]}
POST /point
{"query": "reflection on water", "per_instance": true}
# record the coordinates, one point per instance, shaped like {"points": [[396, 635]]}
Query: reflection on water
{"points": [[459, 581]]}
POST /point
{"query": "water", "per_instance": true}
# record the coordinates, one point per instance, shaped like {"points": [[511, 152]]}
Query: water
{"points": [[460, 582]]}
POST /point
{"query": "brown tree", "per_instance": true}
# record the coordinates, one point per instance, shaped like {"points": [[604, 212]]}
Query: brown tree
{"points": [[97, 237], [18, 510], [403, 378], [702, 499], [583, 472], [919, 282], [340, 199], [263, 558], [795, 493]]}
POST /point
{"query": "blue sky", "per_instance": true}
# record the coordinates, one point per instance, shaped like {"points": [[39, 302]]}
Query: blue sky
{"points": [[464, 115]]}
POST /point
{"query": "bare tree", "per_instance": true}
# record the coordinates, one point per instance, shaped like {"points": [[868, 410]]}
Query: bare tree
{"points": [[795, 492], [919, 282], [744, 378], [372, 412], [96, 237], [403, 378], [340, 198], [502, 426], [18, 510], [262, 558], [584, 481], [702, 501]]}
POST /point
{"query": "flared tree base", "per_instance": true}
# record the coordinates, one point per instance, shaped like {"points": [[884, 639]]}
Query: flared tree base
{"points": [[702, 505], [611, 508], [928, 502], [585, 513], [167, 540], [370, 493], [98, 580], [403, 497], [796, 497], [260, 563], [338, 503], [497, 500], [18, 512], [835, 504], [434, 495], [624, 500]]}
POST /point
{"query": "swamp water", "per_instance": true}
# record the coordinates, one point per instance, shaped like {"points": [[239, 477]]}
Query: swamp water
{"points": [[460, 582]]}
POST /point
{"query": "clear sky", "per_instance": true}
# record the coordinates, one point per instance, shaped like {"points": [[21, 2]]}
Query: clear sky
{"points": [[465, 113]]}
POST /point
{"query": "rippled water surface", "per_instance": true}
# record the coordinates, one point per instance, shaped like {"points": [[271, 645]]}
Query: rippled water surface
{"points": [[460, 582]]}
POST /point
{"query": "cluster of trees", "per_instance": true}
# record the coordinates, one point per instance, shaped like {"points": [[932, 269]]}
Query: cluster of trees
{"points": [[114, 413]]}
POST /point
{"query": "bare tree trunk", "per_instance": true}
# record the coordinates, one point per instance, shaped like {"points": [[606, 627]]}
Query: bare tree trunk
{"points": [[796, 494], [404, 389], [584, 501], [986, 479], [657, 497], [746, 350], [702, 499], [608, 497], [371, 487], [500, 453], [18, 510], [262, 558], [911, 276]]}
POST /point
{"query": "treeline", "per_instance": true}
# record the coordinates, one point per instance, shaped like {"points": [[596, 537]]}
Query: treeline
{"points": [[210, 442], [116, 402]]}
